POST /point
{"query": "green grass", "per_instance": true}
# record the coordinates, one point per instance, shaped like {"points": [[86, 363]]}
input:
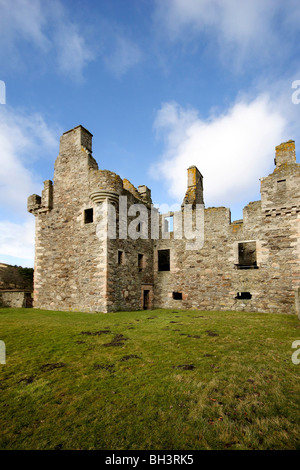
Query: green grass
{"points": [[61, 389]]}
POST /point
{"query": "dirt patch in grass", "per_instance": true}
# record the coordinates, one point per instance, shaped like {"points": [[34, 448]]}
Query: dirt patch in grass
{"points": [[185, 367], [130, 356], [95, 333], [108, 367], [189, 336], [118, 340], [113, 344], [211, 333], [52, 365], [27, 380]]}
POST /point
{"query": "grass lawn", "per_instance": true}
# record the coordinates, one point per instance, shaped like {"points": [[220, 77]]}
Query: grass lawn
{"points": [[157, 380]]}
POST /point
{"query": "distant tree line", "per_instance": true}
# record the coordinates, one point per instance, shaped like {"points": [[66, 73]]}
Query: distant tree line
{"points": [[26, 273], [16, 277]]}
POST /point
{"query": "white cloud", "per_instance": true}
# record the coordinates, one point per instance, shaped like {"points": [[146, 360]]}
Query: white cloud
{"points": [[232, 150], [47, 27], [25, 20], [242, 30], [51, 31], [234, 19], [17, 240], [73, 54], [23, 138], [69, 41], [124, 56]]}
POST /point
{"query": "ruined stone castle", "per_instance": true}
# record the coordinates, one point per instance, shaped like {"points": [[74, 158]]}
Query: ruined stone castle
{"points": [[250, 264]]}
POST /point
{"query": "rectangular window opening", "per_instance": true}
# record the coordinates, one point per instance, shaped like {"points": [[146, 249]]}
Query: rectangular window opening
{"points": [[140, 262], [243, 295], [120, 257], [146, 299], [88, 216], [177, 295], [163, 260], [247, 255]]}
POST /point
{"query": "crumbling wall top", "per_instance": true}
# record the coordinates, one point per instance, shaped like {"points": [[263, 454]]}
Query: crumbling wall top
{"points": [[132, 189]]}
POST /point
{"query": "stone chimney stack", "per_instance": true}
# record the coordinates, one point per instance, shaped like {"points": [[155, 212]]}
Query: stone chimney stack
{"points": [[285, 153], [194, 193], [74, 160], [76, 138]]}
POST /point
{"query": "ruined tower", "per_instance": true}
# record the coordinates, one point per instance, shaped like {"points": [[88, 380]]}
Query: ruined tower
{"points": [[77, 267]]}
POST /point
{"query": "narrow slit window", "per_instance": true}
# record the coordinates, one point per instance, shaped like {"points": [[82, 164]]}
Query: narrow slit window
{"points": [[120, 257], [140, 262], [163, 260], [88, 216]]}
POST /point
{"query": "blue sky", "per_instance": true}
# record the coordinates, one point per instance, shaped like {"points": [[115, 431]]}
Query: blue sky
{"points": [[161, 84]]}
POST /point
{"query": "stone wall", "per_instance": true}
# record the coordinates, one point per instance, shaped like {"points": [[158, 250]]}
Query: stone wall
{"points": [[212, 279], [15, 299]]}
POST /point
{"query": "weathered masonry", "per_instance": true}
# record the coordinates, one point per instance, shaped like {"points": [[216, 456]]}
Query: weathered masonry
{"points": [[250, 264]]}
